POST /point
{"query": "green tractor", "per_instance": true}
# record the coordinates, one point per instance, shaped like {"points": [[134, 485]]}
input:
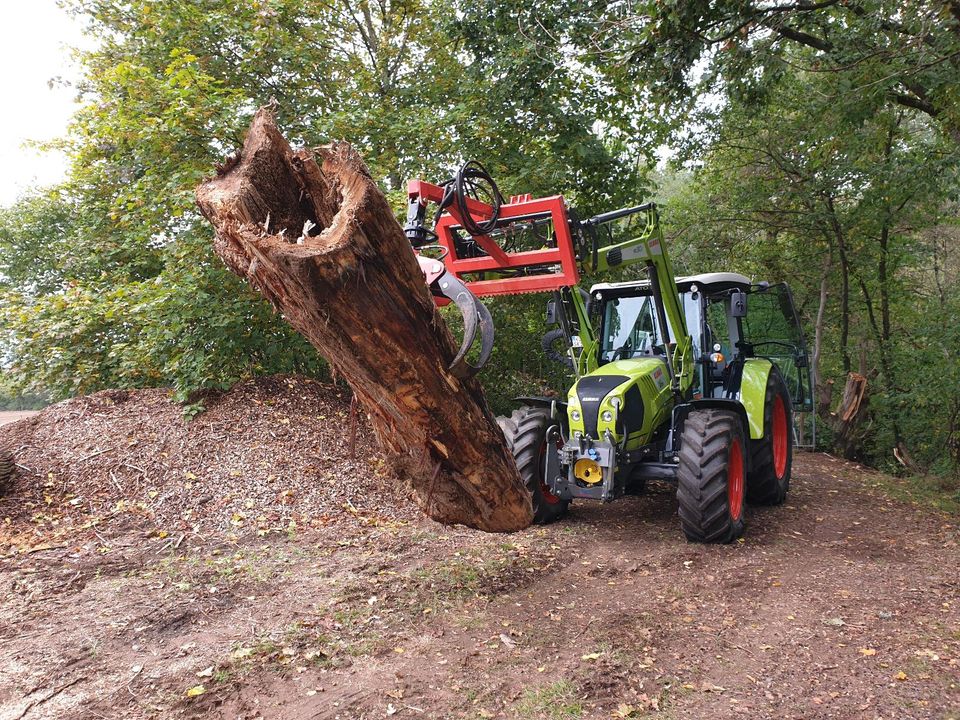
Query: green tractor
{"points": [[691, 380]]}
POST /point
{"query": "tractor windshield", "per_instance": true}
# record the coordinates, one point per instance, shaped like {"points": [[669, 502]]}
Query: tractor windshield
{"points": [[772, 330], [630, 327]]}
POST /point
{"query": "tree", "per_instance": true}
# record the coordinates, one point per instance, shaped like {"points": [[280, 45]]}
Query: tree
{"points": [[829, 199], [880, 52], [315, 236], [132, 295]]}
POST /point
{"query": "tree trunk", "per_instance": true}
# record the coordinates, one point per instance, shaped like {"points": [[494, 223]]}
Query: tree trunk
{"points": [[847, 420], [321, 243]]}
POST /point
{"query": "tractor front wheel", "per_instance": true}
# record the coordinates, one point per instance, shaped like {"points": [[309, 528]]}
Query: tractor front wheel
{"points": [[772, 455], [7, 467], [526, 435], [710, 478]]}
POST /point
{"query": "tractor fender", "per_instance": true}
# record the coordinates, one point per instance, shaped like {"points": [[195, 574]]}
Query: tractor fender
{"points": [[541, 401], [752, 393], [680, 413], [554, 405]]}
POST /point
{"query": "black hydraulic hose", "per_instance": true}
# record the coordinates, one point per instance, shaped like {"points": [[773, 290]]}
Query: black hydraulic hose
{"points": [[547, 343], [466, 184]]}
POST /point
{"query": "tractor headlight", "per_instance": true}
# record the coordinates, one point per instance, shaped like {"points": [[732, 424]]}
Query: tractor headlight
{"points": [[575, 415], [607, 416]]}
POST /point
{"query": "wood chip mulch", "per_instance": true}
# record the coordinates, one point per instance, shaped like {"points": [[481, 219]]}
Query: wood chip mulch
{"points": [[270, 455]]}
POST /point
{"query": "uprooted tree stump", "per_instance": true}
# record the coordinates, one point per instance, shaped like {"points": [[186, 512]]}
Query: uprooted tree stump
{"points": [[321, 243]]}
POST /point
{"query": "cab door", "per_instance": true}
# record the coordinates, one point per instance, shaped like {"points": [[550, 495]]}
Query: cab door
{"points": [[772, 330]]}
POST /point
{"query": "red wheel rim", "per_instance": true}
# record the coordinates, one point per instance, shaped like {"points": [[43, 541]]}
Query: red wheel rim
{"points": [[735, 480], [779, 437], [548, 496]]}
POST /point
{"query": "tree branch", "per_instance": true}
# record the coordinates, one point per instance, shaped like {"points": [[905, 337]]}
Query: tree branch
{"points": [[803, 38], [912, 101]]}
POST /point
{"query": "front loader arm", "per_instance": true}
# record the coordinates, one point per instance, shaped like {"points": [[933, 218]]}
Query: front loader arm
{"points": [[650, 249], [486, 268]]}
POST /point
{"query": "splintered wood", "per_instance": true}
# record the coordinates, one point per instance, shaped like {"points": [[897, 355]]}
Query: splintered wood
{"points": [[311, 231]]}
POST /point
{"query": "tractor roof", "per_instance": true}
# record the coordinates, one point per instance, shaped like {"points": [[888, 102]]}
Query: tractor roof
{"points": [[711, 282]]}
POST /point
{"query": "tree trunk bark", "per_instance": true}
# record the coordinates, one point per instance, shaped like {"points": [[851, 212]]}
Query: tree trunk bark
{"points": [[321, 243]]}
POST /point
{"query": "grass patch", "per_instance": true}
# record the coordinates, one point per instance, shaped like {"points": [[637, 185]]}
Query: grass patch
{"points": [[926, 490], [556, 702]]}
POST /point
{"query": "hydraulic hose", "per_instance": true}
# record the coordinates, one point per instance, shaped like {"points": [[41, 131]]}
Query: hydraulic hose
{"points": [[472, 181]]}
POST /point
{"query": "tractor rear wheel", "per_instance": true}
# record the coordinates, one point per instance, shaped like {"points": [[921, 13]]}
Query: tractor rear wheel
{"points": [[7, 468], [771, 457], [710, 478], [526, 434]]}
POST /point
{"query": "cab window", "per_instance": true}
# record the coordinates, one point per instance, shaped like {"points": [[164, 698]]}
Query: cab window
{"points": [[629, 328]]}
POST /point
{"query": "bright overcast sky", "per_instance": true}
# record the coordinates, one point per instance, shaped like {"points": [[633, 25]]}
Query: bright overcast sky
{"points": [[35, 41]]}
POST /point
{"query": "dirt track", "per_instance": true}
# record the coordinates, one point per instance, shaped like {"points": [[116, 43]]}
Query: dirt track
{"points": [[9, 416], [840, 604]]}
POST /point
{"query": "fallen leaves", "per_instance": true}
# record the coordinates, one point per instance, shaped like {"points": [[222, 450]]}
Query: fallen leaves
{"points": [[195, 691], [867, 652], [709, 687], [639, 708]]}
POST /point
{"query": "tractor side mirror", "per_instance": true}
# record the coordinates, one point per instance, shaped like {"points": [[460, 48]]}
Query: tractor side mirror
{"points": [[551, 312], [738, 304]]}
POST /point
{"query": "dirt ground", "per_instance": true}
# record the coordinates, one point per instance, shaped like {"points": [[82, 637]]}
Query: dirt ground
{"points": [[9, 416], [843, 603]]}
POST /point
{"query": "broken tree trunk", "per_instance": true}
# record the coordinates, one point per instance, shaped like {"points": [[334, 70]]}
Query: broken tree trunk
{"points": [[847, 420], [321, 243]]}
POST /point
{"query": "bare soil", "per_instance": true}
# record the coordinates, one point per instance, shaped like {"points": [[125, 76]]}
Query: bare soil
{"points": [[155, 568], [9, 416]]}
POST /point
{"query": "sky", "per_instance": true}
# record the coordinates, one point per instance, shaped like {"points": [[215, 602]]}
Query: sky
{"points": [[35, 41]]}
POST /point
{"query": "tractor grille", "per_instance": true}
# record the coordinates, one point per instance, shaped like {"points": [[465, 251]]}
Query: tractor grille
{"points": [[592, 390]]}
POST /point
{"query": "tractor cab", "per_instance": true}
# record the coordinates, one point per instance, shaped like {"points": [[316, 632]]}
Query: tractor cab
{"points": [[729, 321]]}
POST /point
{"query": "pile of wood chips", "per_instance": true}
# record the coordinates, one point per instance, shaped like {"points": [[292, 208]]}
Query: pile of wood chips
{"points": [[270, 455]]}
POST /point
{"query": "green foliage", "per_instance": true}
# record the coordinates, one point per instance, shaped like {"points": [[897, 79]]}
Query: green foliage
{"points": [[110, 279], [691, 57]]}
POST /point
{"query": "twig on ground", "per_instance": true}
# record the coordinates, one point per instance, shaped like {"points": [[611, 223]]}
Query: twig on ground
{"points": [[45, 547], [95, 454], [41, 701]]}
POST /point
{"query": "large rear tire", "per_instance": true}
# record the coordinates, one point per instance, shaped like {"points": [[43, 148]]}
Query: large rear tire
{"points": [[526, 434], [771, 459], [710, 478], [7, 468]]}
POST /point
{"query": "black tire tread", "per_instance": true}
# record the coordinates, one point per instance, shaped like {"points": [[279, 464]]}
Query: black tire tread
{"points": [[524, 432], [7, 468], [763, 486], [702, 476]]}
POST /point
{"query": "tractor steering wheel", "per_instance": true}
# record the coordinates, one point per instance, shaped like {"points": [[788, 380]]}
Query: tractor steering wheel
{"points": [[622, 352]]}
